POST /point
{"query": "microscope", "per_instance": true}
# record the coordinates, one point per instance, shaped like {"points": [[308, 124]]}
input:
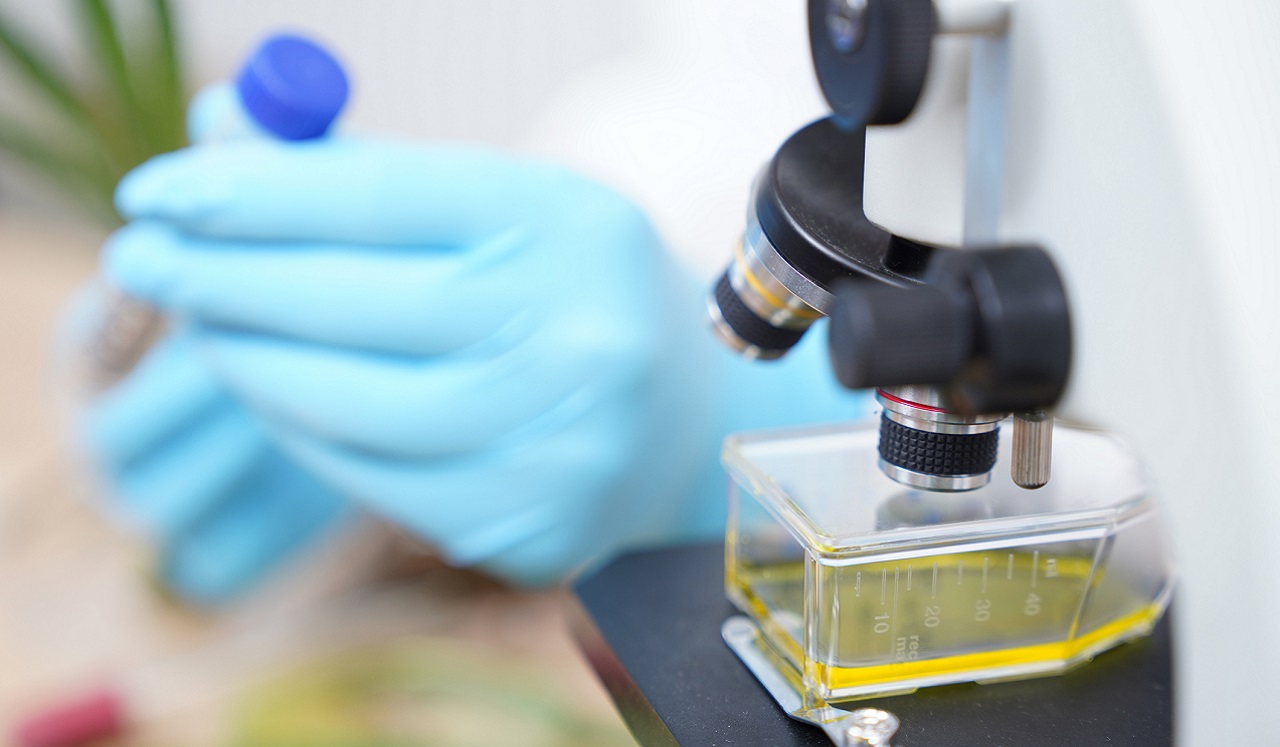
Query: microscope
{"points": [[953, 339], [1045, 356]]}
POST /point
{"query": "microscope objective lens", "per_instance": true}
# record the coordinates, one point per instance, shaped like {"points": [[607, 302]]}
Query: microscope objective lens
{"points": [[925, 445]]}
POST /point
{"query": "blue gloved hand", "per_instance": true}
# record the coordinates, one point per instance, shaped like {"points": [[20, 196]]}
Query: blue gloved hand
{"points": [[192, 466], [494, 352], [186, 462]]}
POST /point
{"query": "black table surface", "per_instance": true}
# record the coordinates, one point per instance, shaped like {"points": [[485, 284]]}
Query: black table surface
{"points": [[650, 623]]}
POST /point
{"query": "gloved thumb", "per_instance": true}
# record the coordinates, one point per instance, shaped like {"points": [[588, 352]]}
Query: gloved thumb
{"points": [[216, 114]]}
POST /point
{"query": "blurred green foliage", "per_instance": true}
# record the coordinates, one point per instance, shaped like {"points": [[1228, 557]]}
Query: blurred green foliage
{"points": [[126, 108], [421, 692]]}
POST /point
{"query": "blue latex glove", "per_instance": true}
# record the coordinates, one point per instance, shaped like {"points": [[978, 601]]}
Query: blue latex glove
{"points": [[193, 467], [186, 462], [494, 352]]}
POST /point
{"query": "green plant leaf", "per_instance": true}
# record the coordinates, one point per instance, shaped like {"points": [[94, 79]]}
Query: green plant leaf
{"points": [[42, 75], [104, 40], [169, 101], [132, 110], [85, 179]]}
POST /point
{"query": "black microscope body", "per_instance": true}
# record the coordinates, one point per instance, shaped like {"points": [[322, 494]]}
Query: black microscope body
{"points": [[952, 339]]}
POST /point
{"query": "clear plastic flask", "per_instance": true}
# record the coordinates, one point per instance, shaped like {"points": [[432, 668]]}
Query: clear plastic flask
{"points": [[859, 587]]}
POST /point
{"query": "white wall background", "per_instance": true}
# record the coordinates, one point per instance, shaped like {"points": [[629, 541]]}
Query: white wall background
{"points": [[451, 68]]}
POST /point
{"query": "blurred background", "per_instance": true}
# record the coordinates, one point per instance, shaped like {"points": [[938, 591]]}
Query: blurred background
{"points": [[369, 641]]}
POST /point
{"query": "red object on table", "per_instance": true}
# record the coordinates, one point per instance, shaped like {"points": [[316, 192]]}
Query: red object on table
{"points": [[96, 716]]}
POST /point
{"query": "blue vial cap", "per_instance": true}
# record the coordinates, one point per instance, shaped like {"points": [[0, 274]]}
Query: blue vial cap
{"points": [[292, 87]]}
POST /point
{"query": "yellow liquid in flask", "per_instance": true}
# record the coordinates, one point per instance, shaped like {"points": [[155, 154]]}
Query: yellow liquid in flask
{"points": [[881, 627]]}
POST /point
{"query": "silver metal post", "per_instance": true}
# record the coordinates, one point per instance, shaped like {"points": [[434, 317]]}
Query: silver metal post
{"points": [[1032, 448]]}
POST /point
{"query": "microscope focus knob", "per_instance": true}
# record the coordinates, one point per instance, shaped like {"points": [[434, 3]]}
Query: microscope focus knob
{"points": [[871, 56], [989, 327], [893, 336]]}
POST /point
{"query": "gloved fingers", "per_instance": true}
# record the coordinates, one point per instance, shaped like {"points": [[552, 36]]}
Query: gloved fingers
{"points": [[398, 405], [215, 114], [181, 479], [275, 510], [336, 189], [169, 389], [395, 299], [536, 507]]}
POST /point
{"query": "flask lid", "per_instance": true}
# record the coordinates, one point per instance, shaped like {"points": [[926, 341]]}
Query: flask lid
{"points": [[292, 87]]}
